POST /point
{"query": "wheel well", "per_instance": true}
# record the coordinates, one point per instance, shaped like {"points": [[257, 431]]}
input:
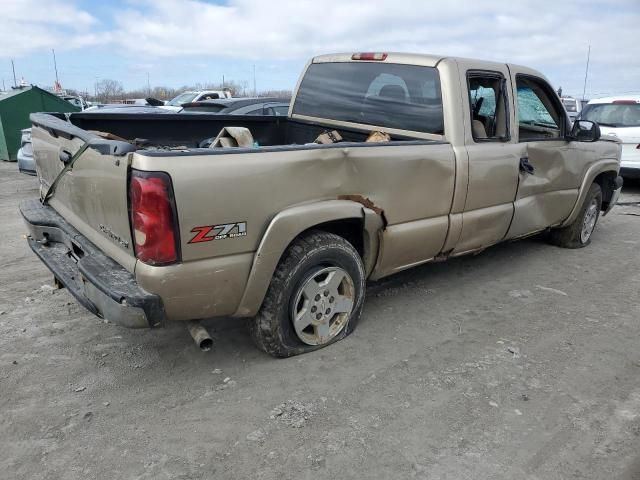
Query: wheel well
{"points": [[351, 229], [606, 180]]}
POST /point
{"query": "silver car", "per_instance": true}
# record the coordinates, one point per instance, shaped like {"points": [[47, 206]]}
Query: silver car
{"points": [[26, 164]]}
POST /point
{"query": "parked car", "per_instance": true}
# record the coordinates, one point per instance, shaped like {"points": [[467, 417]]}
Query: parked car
{"points": [[196, 96], [127, 108], [240, 106], [386, 161], [620, 117], [26, 164], [573, 106], [76, 100]]}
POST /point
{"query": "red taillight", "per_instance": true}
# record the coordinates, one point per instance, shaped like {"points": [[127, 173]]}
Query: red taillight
{"points": [[153, 218], [369, 56], [624, 102]]}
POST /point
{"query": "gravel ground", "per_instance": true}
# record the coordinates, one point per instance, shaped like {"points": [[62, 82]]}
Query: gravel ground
{"points": [[521, 362]]}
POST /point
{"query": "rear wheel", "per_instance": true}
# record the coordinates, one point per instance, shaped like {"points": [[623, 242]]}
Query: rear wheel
{"points": [[315, 297], [578, 234]]}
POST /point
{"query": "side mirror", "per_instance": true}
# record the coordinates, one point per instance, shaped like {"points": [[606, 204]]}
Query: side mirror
{"points": [[585, 131]]}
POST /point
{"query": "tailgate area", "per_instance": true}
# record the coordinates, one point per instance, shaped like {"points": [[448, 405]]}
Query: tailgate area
{"points": [[100, 284]]}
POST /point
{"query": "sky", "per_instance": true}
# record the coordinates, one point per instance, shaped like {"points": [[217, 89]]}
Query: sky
{"points": [[182, 42]]}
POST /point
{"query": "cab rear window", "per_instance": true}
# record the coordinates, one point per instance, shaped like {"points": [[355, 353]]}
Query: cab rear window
{"points": [[404, 97]]}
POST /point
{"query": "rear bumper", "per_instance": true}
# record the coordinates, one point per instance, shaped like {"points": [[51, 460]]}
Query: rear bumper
{"points": [[100, 284]]}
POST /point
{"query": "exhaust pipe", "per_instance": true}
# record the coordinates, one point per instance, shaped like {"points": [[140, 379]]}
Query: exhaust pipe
{"points": [[200, 335]]}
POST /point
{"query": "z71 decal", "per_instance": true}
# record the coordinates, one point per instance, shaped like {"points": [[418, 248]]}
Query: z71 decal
{"points": [[207, 233]]}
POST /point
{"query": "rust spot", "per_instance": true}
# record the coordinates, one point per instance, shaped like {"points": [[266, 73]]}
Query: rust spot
{"points": [[366, 202]]}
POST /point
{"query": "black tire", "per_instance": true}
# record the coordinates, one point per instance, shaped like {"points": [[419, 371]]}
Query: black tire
{"points": [[272, 328], [570, 236]]}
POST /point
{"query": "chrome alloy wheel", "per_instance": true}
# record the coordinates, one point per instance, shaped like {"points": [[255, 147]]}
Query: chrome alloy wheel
{"points": [[322, 305], [589, 221]]}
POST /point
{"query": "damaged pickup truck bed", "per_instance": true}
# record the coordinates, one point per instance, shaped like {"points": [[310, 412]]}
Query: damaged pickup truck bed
{"points": [[153, 227]]}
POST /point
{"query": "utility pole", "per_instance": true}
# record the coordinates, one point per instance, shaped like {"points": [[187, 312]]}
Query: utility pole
{"points": [[223, 82], [3, 87], [13, 67], [255, 91], [148, 85], [55, 66], [586, 73]]}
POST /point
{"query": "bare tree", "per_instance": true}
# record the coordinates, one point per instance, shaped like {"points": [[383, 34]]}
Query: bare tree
{"points": [[284, 94], [108, 90]]}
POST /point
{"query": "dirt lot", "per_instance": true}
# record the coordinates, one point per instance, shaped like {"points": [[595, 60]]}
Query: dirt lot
{"points": [[521, 362]]}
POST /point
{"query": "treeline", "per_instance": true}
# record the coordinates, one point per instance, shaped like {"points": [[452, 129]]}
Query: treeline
{"points": [[109, 91]]}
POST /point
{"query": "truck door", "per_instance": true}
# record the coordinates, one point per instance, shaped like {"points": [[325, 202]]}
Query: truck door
{"points": [[493, 156], [550, 169]]}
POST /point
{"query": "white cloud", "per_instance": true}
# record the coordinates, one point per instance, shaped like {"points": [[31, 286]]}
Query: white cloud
{"points": [[543, 33], [31, 25]]}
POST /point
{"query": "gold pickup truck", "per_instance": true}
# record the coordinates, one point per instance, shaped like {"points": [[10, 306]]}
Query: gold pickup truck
{"points": [[144, 220]]}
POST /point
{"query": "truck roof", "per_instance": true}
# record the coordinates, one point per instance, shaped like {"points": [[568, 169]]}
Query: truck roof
{"points": [[426, 60]]}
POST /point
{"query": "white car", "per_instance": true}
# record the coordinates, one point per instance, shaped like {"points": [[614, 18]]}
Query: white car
{"points": [[620, 117], [195, 96]]}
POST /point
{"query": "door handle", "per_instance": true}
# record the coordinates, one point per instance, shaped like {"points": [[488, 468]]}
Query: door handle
{"points": [[525, 166]]}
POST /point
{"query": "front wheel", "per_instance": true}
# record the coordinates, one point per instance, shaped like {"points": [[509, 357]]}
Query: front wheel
{"points": [[315, 297], [578, 234]]}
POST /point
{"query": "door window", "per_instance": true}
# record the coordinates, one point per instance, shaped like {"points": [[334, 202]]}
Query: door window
{"points": [[487, 101], [539, 115]]}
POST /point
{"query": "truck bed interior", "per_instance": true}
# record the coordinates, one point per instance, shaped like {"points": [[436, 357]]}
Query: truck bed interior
{"points": [[166, 131]]}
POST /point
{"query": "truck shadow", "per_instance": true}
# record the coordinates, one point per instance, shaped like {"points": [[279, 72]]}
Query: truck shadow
{"points": [[461, 277], [231, 337]]}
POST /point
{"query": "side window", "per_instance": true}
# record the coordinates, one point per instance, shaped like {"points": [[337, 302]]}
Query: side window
{"points": [[539, 116], [488, 104], [258, 111]]}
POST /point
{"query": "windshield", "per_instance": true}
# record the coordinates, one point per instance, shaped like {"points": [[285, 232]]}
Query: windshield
{"points": [[185, 97], [404, 97], [570, 105], [613, 114]]}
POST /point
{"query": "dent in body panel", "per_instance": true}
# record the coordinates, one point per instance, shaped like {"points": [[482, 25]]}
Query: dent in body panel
{"points": [[408, 182], [606, 165], [408, 244], [493, 175], [557, 166], [453, 235], [491, 171], [289, 224], [92, 194], [493, 183], [484, 227], [538, 212]]}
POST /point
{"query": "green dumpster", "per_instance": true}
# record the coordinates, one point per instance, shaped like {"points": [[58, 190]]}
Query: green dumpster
{"points": [[15, 107]]}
